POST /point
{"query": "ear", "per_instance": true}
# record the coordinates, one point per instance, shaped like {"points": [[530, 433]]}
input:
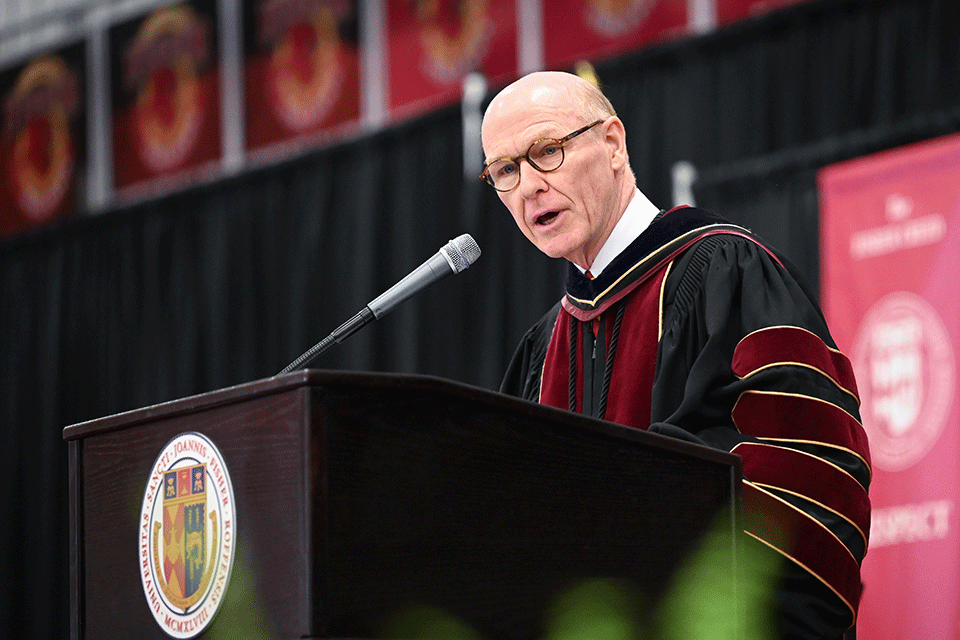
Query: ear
{"points": [[615, 137]]}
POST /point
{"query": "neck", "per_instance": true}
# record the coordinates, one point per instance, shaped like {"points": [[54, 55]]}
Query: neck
{"points": [[589, 254]]}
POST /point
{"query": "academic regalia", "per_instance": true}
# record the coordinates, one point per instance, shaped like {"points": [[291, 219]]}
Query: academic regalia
{"points": [[701, 331]]}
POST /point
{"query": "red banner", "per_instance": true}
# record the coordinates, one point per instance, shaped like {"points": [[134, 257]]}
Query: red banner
{"points": [[593, 29], [301, 68], [42, 144], [733, 10], [433, 44], [891, 258], [166, 93]]}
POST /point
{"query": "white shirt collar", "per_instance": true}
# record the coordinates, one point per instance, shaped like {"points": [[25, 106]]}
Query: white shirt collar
{"points": [[638, 215]]}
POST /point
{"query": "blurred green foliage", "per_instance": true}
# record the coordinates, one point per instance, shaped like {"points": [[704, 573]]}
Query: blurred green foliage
{"points": [[701, 603]]}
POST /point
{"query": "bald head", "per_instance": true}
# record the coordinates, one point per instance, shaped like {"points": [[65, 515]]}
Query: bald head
{"points": [[568, 210], [552, 89]]}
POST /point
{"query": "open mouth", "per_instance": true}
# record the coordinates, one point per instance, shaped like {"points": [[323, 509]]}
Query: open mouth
{"points": [[547, 218]]}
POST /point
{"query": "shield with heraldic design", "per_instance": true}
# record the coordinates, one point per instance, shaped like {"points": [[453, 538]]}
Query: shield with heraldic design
{"points": [[183, 534]]}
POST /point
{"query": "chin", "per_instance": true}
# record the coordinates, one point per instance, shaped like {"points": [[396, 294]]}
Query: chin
{"points": [[551, 250], [556, 242], [555, 248]]}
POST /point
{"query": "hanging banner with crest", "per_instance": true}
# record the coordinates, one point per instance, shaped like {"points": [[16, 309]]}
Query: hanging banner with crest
{"points": [[595, 29], [433, 44], [733, 10], [890, 241], [43, 140], [165, 94], [301, 70]]}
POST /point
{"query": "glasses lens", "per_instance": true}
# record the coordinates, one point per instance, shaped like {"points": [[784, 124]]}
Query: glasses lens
{"points": [[546, 155], [504, 174]]}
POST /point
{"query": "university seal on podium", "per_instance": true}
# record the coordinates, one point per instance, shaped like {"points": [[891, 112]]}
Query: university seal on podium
{"points": [[187, 535]]}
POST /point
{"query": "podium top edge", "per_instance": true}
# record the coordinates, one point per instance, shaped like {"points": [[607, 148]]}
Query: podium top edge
{"points": [[257, 388], [330, 379]]}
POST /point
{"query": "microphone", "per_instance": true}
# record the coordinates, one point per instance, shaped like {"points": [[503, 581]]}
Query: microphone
{"points": [[453, 257]]}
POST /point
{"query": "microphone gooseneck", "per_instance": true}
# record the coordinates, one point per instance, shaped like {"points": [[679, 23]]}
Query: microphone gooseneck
{"points": [[453, 257]]}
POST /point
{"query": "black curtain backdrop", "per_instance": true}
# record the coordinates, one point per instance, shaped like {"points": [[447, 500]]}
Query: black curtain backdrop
{"points": [[229, 282], [760, 106]]}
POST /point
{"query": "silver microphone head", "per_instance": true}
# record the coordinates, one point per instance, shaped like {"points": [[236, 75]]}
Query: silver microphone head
{"points": [[461, 252]]}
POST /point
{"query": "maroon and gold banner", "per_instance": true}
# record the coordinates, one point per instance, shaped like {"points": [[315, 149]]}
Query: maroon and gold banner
{"points": [[592, 29], [43, 142], [166, 93], [732, 10], [433, 44], [891, 292], [301, 68]]}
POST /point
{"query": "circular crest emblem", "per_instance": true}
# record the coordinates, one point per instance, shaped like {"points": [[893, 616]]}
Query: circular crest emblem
{"points": [[187, 535], [905, 368]]}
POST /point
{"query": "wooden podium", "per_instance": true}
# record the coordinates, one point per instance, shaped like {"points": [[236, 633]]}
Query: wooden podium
{"points": [[357, 497]]}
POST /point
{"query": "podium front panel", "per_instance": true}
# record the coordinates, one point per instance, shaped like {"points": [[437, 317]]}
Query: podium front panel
{"points": [[361, 497], [263, 441]]}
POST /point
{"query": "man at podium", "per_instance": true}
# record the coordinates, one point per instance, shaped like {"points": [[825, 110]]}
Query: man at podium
{"points": [[685, 324]]}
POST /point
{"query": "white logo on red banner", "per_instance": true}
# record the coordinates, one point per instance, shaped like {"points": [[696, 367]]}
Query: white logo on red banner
{"points": [[901, 232], [908, 523], [905, 369]]}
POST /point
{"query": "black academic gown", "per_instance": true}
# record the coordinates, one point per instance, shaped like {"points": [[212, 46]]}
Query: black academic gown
{"points": [[703, 332]]}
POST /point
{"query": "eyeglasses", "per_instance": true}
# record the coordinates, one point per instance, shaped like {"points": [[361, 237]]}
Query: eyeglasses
{"points": [[544, 155]]}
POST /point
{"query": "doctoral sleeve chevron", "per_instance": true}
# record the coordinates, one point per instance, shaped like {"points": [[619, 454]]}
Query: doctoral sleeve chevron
{"points": [[746, 363]]}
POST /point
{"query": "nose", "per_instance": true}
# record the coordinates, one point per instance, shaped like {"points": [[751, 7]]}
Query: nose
{"points": [[531, 182]]}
